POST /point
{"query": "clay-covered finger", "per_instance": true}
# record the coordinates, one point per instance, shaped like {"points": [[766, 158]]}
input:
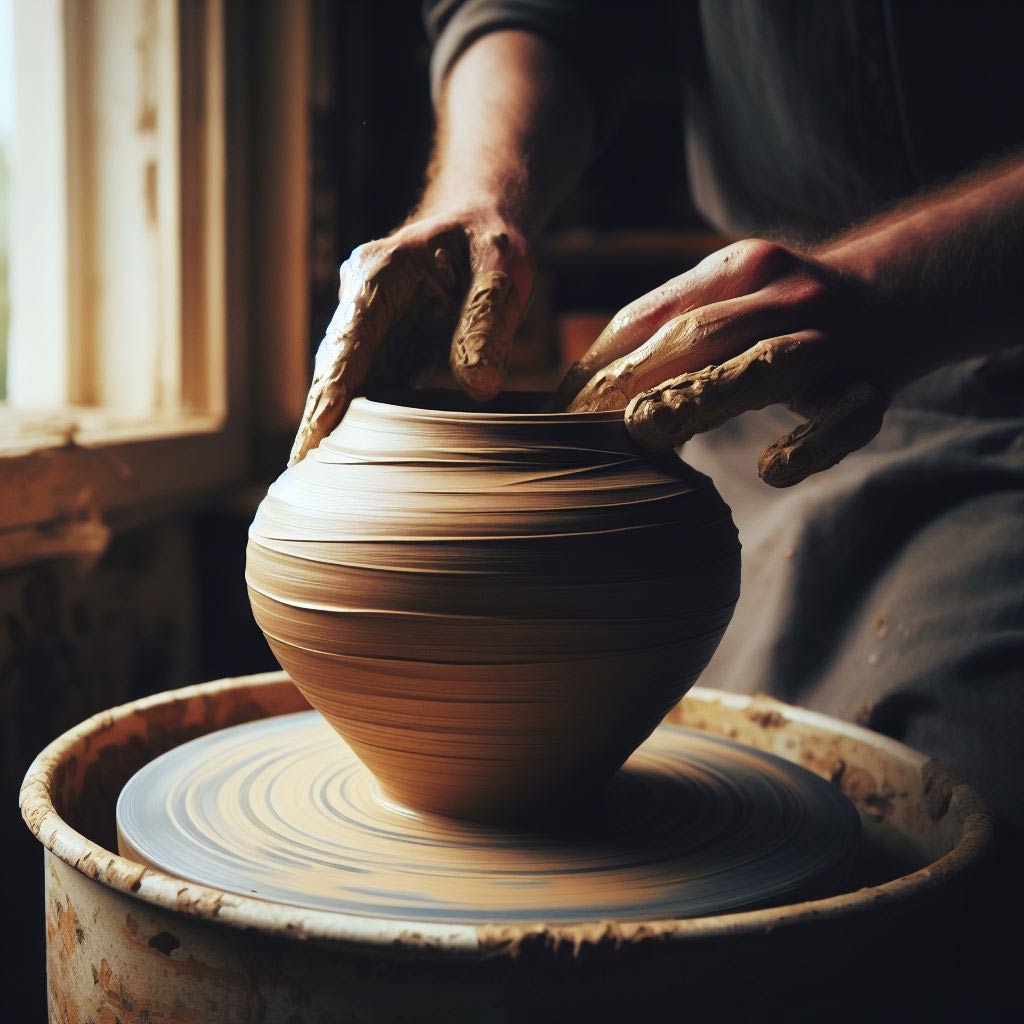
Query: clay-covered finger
{"points": [[772, 371], [705, 337], [490, 313], [376, 290], [841, 426], [736, 270]]}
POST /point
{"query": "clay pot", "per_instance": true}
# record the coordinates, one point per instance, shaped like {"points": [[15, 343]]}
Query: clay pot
{"points": [[494, 609]]}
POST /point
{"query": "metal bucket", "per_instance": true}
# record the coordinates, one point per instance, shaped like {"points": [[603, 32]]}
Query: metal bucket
{"points": [[130, 944]]}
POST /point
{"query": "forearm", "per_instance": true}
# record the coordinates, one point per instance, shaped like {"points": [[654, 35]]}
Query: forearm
{"points": [[515, 131], [951, 262]]}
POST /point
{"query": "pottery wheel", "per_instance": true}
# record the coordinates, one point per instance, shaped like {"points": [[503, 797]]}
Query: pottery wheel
{"points": [[281, 809]]}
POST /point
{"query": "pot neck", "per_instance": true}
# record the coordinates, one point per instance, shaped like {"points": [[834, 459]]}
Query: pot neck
{"points": [[371, 428]]}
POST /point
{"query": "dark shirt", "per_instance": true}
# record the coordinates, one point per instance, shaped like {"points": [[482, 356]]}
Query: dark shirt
{"points": [[802, 117]]}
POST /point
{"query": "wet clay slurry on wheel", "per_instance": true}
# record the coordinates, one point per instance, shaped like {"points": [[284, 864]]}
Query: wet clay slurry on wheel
{"points": [[493, 608], [694, 825]]}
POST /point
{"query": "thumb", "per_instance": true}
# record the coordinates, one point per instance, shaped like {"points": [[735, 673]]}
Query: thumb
{"points": [[493, 306]]}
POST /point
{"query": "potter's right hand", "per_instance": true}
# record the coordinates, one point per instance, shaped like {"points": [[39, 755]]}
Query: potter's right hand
{"points": [[469, 270]]}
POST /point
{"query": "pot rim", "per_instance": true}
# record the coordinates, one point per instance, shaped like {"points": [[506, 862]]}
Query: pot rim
{"points": [[434, 941], [381, 405]]}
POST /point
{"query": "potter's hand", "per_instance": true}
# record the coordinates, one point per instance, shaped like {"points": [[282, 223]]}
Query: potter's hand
{"points": [[830, 334], [752, 325], [468, 269]]}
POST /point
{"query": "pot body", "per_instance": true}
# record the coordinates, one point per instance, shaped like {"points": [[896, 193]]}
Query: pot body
{"points": [[494, 609]]}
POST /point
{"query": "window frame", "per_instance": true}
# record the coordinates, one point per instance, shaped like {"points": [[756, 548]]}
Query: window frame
{"points": [[72, 471]]}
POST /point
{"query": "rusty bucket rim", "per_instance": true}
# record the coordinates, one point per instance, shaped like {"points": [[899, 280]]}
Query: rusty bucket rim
{"points": [[472, 940]]}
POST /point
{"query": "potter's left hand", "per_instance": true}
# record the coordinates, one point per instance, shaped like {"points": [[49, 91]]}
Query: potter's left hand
{"points": [[752, 325], [831, 334]]}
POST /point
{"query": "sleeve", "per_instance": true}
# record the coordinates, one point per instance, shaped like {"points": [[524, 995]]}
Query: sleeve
{"points": [[597, 38]]}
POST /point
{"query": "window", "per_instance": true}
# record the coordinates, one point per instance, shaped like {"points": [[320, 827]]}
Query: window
{"points": [[119, 377], [6, 139]]}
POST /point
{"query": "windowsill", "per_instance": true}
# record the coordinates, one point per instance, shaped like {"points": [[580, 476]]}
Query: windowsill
{"points": [[24, 431], [73, 477]]}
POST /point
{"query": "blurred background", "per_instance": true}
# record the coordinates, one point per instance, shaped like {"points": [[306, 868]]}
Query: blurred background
{"points": [[179, 181]]}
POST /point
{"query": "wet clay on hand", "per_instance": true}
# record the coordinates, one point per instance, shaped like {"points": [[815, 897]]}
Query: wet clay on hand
{"points": [[493, 609], [482, 342], [371, 301]]}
